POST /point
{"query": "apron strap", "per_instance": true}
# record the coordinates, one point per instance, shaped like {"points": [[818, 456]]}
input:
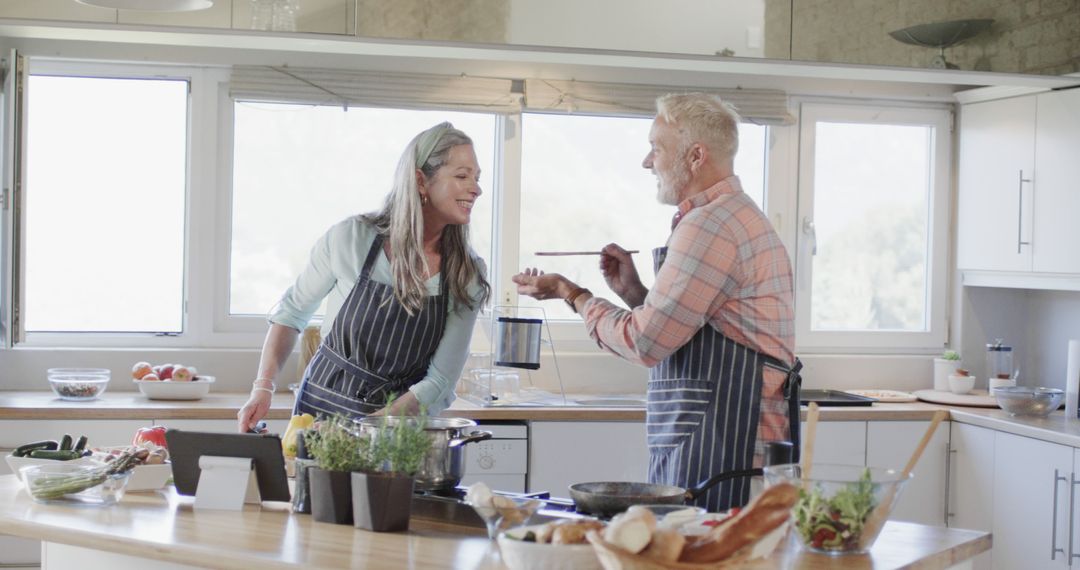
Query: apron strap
{"points": [[792, 390]]}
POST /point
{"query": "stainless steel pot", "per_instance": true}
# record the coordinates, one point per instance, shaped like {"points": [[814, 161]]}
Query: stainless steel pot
{"points": [[444, 465]]}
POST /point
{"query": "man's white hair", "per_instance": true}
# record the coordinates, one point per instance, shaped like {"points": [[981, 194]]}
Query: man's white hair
{"points": [[702, 118]]}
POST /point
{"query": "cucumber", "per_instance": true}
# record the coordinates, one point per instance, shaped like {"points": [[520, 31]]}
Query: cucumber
{"points": [[61, 454], [65, 442], [81, 443], [25, 449]]}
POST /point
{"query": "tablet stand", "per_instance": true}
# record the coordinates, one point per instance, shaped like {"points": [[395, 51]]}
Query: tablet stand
{"points": [[226, 483]]}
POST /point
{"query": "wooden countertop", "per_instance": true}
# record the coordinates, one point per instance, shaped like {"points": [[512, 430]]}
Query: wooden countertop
{"points": [[163, 526], [131, 405]]}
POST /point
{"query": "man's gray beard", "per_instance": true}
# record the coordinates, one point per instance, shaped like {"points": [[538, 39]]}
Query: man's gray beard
{"points": [[670, 196]]}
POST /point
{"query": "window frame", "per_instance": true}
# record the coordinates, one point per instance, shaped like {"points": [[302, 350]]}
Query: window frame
{"points": [[932, 340]]}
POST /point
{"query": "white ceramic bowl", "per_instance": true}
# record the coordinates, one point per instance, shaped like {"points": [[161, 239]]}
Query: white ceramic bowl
{"points": [[961, 384], [520, 555], [173, 390], [78, 384]]}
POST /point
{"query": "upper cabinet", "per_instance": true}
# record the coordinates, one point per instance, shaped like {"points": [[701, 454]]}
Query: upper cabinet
{"points": [[1019, 182]]}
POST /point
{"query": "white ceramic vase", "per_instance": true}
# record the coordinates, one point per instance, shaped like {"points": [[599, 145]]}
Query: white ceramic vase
{"points": [[942, 370]]}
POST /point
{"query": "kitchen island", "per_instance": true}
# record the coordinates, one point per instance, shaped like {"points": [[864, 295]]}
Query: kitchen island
{"points": [[161, 530]]}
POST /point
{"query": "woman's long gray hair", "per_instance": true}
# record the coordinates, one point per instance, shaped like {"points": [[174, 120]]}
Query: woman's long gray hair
{"points": [[402, 220]]}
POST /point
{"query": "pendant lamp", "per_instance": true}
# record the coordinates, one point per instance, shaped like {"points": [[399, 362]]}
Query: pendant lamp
{"points": [[151, 5]]}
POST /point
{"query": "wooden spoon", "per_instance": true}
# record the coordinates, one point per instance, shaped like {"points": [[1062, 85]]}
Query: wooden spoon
{"points": [[877, 518], [808, 445]]}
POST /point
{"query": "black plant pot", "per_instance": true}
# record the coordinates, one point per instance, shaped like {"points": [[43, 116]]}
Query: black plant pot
{"points": [[331, 496], [381, 503]]}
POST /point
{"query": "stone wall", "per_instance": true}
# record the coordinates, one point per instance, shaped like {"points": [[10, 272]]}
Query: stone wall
{"points": [[1029, 36]]}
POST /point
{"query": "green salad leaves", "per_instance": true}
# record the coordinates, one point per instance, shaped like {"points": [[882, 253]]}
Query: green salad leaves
{"points": [[835, 523]]}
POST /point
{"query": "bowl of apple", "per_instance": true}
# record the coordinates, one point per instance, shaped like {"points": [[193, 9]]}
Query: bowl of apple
{"points": [[170, 381]]}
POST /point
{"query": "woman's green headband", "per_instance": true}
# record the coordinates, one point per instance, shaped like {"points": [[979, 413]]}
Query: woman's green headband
{"points": [[427, 141]]}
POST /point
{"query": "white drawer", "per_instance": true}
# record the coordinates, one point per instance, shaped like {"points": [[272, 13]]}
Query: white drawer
{"points": [[19, 552], [14, 433]]}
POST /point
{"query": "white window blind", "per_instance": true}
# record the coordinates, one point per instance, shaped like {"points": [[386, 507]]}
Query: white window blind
{"points": [[759, 106], [373, 89]]}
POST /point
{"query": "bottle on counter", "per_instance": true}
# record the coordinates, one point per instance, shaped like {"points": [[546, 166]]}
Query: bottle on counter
{"points": [[301, 502]]}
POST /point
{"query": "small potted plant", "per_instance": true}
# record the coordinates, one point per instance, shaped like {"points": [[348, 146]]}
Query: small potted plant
{"points": [[336, 450], [945, 366], [382, 487]]}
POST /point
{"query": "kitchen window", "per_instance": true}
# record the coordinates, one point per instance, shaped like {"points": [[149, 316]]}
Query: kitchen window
{"points": [[583, 186], [873, 187], [104, 208], [298, 169]]}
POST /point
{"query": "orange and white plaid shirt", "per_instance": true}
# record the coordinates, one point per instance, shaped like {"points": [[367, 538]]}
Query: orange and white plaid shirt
{"points": [[727, 268]]}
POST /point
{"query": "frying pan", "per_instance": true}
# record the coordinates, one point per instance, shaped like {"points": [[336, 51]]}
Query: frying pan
{"points": [[607, 498]]}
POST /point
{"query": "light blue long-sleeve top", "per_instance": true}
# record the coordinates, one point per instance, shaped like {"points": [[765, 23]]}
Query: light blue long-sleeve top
{"points": [[332, 270]]}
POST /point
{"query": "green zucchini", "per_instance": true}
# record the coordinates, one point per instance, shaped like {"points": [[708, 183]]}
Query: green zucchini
{"points": [[25, 449], [61, 454], [81, 443], [65, 442]]}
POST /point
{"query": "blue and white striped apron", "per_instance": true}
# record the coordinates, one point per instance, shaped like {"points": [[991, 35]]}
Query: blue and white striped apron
{"points": [[374, 349], [702, 415]]}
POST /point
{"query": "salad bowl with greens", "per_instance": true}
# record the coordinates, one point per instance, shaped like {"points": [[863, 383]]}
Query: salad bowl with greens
{"points": [[841, 508]]}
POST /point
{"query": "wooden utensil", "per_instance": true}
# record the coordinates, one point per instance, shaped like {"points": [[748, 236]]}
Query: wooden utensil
{"points": [[554, 253], [808, 445], [881, 512]]}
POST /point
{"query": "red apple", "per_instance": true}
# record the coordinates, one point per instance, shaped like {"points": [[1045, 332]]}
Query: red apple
{"points": [[141, 369], [166, 371], [155, 435], [181, 373]]}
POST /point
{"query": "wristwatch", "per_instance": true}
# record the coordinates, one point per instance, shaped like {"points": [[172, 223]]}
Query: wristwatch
{"points": [[573, 297]]}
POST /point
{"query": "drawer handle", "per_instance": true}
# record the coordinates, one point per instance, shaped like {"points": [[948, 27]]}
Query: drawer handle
{"points": [[1053, 523]]}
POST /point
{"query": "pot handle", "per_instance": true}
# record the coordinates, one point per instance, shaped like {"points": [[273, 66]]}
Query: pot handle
{"points": [[693, 492], [472, 437]]}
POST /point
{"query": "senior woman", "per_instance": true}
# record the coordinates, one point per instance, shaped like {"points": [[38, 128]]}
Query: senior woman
{"points": [[404, 290]]}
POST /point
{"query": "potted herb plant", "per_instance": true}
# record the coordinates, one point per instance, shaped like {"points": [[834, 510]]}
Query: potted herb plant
{"points": [[944, 366], [382, 488], [336, 450]]}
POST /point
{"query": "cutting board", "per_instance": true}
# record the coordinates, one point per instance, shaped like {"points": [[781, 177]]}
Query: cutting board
{"points": [[978, 398]]}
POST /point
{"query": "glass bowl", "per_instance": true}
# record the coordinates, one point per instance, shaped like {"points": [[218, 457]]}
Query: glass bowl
{"points": [[80, 483], [1024, 401], [505, 513], [841, 508], [78, 384]]}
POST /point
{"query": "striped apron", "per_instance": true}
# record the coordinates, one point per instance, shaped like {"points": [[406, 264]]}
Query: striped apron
{"points": [[702, 413], [374, 349]]}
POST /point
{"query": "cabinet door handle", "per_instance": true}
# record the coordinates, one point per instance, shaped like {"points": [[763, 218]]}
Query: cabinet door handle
{"points": [[948, 481], [1020, 213], [1053, 523], [1072, 515]]}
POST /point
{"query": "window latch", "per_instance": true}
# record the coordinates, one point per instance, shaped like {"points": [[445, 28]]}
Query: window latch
{"points": [[811, 235]]}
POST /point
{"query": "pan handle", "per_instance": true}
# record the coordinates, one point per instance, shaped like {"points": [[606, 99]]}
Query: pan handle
{"points": [[693, 492], [471, 438]]}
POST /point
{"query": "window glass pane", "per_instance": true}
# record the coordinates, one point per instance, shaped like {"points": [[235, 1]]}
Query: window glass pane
{"points": [[106, 162], [298, 169], [583, 187], [872, 187]]}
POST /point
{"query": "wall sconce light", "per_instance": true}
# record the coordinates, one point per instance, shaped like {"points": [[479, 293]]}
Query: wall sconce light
{"points": [[151, 5], [941, 35]]}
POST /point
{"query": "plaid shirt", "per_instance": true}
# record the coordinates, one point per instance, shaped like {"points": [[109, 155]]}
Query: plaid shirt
{"points": [[727, 268]]}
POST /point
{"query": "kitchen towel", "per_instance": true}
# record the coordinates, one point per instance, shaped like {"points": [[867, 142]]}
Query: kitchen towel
{"points": [[1072, 379]]}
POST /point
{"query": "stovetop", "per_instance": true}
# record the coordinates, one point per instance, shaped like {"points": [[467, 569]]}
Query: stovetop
{"points": [[449, 507]]}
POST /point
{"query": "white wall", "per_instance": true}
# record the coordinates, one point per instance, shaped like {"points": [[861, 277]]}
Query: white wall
{"points": [[668, 26]]}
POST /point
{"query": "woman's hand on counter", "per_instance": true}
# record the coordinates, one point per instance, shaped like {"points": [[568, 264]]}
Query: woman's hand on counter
{"points": [[255, 409]]}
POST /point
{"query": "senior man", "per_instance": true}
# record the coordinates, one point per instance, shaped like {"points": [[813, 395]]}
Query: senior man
{"points": [[717, 328]]}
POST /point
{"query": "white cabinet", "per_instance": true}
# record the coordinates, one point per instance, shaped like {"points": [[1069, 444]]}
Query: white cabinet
{"points": [[997, 159], [1020, 187], [1057, 183], [970, 483], [890, 445], [840, 443], [1032, 484], [563, 453]]}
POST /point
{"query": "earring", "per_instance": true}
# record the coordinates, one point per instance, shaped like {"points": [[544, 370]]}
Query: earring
{"points": [[423, 199]]}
